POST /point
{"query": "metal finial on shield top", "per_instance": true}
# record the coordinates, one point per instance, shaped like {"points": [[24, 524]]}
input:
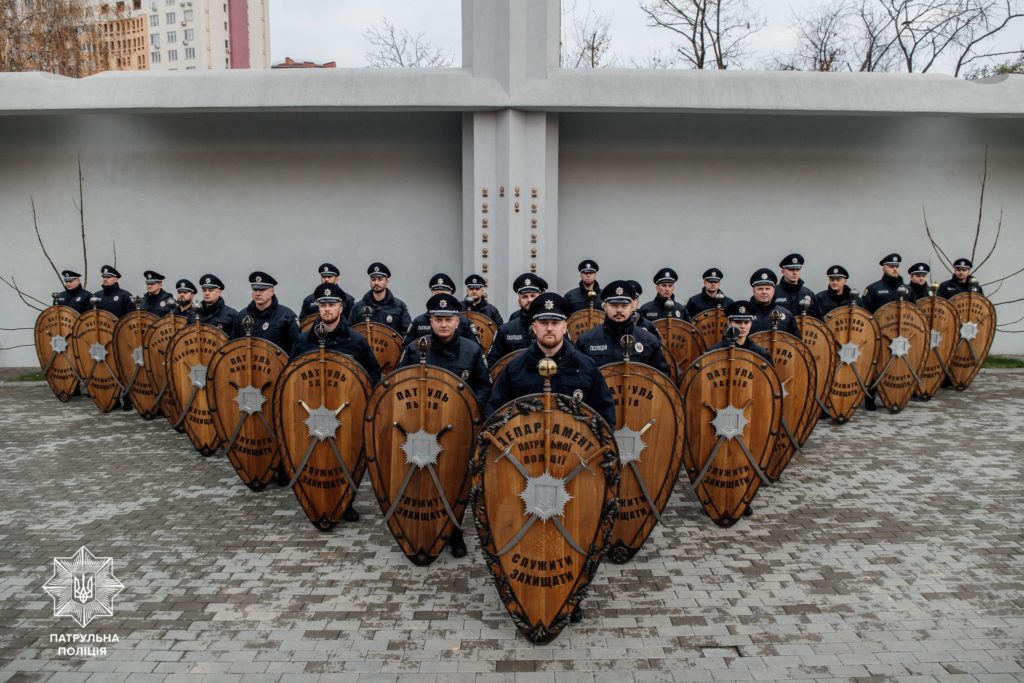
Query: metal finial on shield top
{"points": [[591, 297], [933, 289], [902, 292], [423, 346], [247, 324], [547, 368], [719, 299], [732, 334], [776, 317], [669, 305], [805, 303], [855, 295], [55, 296], [94, 301], [367, 312], [974, 284], [626, 342], [320, 330], [137, 300]]}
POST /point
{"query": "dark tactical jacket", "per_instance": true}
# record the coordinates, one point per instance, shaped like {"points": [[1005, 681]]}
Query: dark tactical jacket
{"points": [[577, 297], [512, 336], [420, 327], [487, 308], [391, 311], [655, 310], [700, 302], [276, 324], [763, 320], [115, 300], [76, 298], [879, 293], [604, 345], [343, 339], [218, 314], [749, 346], [789, 296], [462, 357], [828, 300], [310, 307], [952, 287]]}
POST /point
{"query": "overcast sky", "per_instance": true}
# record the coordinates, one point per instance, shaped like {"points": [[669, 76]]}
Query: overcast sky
{"points": [[323, 31]]}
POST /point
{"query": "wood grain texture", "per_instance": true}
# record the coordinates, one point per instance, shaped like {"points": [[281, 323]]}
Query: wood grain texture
{"points": [[582, 321], [129, 344], [711, 325], [500, 366], [101, 379], [897, 376], [944, 323], [58, 367], [856, 332], [155, 345], [385, 343], [486, 330], [681, 343], [193, 347], [978, 315], [816, 335]]}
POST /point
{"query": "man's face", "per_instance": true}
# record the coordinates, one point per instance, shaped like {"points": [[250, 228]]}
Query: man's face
{"points": [[764, 293], [71, 284], [109, 280], [588, 278], [711, 286], [263, 297], [961, 273], [211, 294], [549, 334], [919, 278], [185, 298], [666, 289], [791, 275], [328, 279], [743, 327], [617, 312], [330, 312], [475, 293], [378, 284], [154, 288], [891, 270], [444, 326], [525, 299], [836, 284]]}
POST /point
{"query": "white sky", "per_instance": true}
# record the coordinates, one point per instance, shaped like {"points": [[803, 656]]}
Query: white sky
{"points": [[329, 30]]}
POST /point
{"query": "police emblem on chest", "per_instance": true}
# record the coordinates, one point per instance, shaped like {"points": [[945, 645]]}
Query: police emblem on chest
{"points": [[266, 326], [390, 319], [163, 304], [577, 395], [116, 298]]}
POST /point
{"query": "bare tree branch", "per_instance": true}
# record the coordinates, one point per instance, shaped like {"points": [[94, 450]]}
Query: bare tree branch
{"points": [[35, 224], [981, 204], [713, 33], [1016, 272], [15, 329], [393, 47], [999, 230], [22, 295], [18, 346], [590, 42], [945, 260], [114, 243], [1011, 301], [81, 216]]}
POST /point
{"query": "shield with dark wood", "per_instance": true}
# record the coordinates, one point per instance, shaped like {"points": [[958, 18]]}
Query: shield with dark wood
{"points": [[944, 323], [794, 366], [977, 330], [240, 389], [905, 341], [306, 324], [816, 335], [503, 362], [92, 343], [711, 325], [682, 343], [129, 353], [484, 328], [545, 486], [385, 343], [857, 343], [53, 341], [188, 357], [319, 405], [733, 404], [419, 433], [582, 321], [649, 434], [154, 351]]}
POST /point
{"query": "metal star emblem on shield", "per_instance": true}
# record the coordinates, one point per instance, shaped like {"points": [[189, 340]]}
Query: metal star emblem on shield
{"points": [[729, 422]]}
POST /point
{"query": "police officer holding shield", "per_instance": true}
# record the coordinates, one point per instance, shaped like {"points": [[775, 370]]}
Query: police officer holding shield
{"points": [[379, 304], [73, 296], [604, 343], [421, 326], [476, 299], [961, 280], [328, 273], [156, 300], [791, 290], [579, 298], [741, 320], [274, 322], [111, 297], [213, 311], [664, 304], [516, 333], [882, 291], [837, 294], [763, 282], [707, 297], [184, 304]]}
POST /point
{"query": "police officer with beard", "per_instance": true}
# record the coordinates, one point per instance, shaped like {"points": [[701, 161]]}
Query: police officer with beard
{"points": [[516, 333], [881, 292], [384, 307], [961, 280], [763, 284], [275, 323], [707, 297], [604, 342], [73, 296], [664, 304], [184, 303], [328, 276], [420, 326], [791, 290], [838, 292], [919, 288], [156, 300], [213, 311], [579, 297], [111, 297], [476, 299]]}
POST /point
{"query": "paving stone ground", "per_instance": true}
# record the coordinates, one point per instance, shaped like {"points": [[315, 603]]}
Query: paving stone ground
{"points": [[890, 550]]}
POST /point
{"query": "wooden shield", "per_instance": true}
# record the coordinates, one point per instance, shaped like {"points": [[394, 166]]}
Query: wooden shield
{"points": [[794, 366], [500, 366], [649, 435], [711, 325], [977, 330], [544, 458], [129, 353], [307, 323], [53, 342], [582, 321], [419, 433], [92, 343], [857, 342], [319, 404], [188, 357], [240, 389], [485, 328], [385, 343], [906, 338], [733, 404], [154, 350], [681, 342], [944, 323], [816, 335]]}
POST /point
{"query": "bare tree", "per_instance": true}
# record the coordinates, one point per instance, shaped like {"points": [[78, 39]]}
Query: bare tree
{"points": [[823, 42], [393, 47], [55, 36], [713, 33], [587, 46]]}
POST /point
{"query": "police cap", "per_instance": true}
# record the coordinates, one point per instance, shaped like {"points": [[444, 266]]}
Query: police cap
{"points": [[920, 269], [740, 310], [764, 276], [69, 275], [837, 271], [329, 294], [891, 260], [210, 281], [550, 306], [588, 266], [185, 285], [476, 281], [152, 277], [637, 289], [260, 280], [441, 281], [665, 275], [712, 275], [109, 271], [328, 270], [443, 305], [792, 261], [618, 292], [378, 269], [529, 282], [963, 263]]}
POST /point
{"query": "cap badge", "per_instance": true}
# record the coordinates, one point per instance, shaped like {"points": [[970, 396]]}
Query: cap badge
{"points": [[259, 278], [527, 282], [442, 303], [667, 274], [549, 305], [764, 276], [207, 281], [743, 309], [795, 260], [618, 290], [327, 291]]}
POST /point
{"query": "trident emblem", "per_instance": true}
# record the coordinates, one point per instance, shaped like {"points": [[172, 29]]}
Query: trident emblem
{"points": [[83, 586]]}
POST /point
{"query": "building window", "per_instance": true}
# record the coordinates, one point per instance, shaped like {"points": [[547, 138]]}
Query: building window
{"points": [[188, 15], [154, 57], [190, 53], [172, 55], [154, 39], [190, 34], [154, 19], [170, 17], [169, 3], [172, 37]]}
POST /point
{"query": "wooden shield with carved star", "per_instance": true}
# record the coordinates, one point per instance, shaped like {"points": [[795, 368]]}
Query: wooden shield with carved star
{"points": [[733, 405], [154, 350], [188, 358], [649, 429], [500, 366], [484, 328], [906, 338], [857, 342], [53, 348], [92, 342], [385, 343], [419, 433], [240, 388], [944, 323], [977, 330], [319, 404], [711, 325], [129, 352], [816, 335], [583, 321], [681, 342], [545, 486]]}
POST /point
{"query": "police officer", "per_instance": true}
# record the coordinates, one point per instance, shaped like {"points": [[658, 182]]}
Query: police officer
{"points": [[961, 280], [476, 299], [638, 319], [275, 323], [741, 319], [707, 297], [111, 297], [328, 273], [763, 283], [664, 304], [882, 291], [156, 300], [604, 342], [384, 306], [837, 294], [73, 296], [516, 333], [213, 311], [535, 284], [588, 290], [919, 288], [791, 290], [184, 304], [420, 326]]}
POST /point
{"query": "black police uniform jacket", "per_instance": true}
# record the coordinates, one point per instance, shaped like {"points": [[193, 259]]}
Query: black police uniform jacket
{"points": [[879, 293], [276, 324], [512, 336], [343, 339], [701, 301], [829, 301], [189, 314], [159, 304], [763, 318], [218, 314], [311, 307], [114, 300], [655, 310], [487, 308], [918, 292], [576, 372], [577, 297], [420, 327], [644, 323], [76, 298], [462, 357], [604, 344], [790, 295], [390, 311], [952, 287], [749, 346]]}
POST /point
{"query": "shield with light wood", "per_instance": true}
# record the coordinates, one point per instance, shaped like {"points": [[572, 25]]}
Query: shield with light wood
{"points": [[977, 330], [155, 344], [385, 343], [502, 363], [906, 338], [815, 334], [240, 388], [306, 324], [52, 336], [483, 327], [129, 354], [681, 342], [944, 323], [319, 404], [583, 321], [649, 429], [732, 400], [419, 433], [92, 344], [188, 358], [857, 344], [711, 325], [545, 486]]}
